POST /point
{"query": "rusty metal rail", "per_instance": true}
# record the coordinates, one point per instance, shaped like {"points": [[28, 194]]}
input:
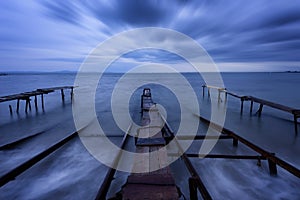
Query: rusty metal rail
{"points": [[195, 180], [102, 192], [272, 159]]}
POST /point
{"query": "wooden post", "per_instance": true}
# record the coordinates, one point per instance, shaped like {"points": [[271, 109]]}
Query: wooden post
{"points": [[296, 123], [242, 105], [251, 107], [219, 97], [203, 90], [18, 105], [193, 189], [10, 110], [42, 99], [26, 105], [35, 103], [235, 142], [272, 167], [29, 103], [226, 96], [208, 92], [62, 95], [260, 109], [72, 93]]}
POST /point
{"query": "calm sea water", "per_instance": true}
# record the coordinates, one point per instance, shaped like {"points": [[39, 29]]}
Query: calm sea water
{"points": [[274, 130]]}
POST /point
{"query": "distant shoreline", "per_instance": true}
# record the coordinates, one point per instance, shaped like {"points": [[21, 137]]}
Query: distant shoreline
{"points": [[74, 72]]}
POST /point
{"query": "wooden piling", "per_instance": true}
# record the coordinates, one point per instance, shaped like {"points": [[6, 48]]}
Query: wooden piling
{"points": [[62, 95], [72, 93], [260, 109], [296, 123], [193, 189], [235, 142], [272, 167], [18, 105], [26, 105], [242, 105], [10, 110], [29, 103], [42, 99], [251, 107], [35, 103]]}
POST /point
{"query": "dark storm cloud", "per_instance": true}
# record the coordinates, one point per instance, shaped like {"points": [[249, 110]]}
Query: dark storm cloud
{"points": [[230, 31]]}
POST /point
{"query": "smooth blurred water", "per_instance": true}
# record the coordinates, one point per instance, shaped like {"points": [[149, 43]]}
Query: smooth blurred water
{"points": [[274, 130]]}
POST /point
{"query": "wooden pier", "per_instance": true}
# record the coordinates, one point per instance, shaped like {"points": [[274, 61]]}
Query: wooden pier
{"points": [[154, 184], [295, 112], [26, 96]]}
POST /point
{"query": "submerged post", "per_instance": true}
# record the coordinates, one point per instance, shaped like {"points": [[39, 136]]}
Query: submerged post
{"points": [[10, 110], [296, 123], [260, 109], [272, 167], [242, 105], [62, 95], [72, 91], [26, 105], [235, 142], [193, 189], [29, 103], [251, 107], [35, 103], [42, 99], [18, 105]]}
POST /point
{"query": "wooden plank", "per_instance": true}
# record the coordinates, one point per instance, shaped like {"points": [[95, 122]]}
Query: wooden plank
{"points": [[149, 192], [273, 105]]}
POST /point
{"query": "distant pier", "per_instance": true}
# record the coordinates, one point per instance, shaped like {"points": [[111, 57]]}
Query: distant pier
{"points": [[26, 96], [295, 112]]}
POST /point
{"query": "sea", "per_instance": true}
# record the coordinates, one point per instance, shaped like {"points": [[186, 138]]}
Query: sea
{"points": [[73, 173]]}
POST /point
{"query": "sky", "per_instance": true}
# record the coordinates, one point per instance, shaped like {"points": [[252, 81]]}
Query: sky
{"points": [[239, 35]]}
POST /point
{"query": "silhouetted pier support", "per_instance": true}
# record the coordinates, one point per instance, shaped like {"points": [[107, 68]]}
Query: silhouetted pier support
{"points": [[251, 107], [272, 166], [42, 99], [193, 188], [18, 105], [27, 104], [296, 114], [72, 93], [242, 105], [35, 102], [62, 95], [10, 110]]}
